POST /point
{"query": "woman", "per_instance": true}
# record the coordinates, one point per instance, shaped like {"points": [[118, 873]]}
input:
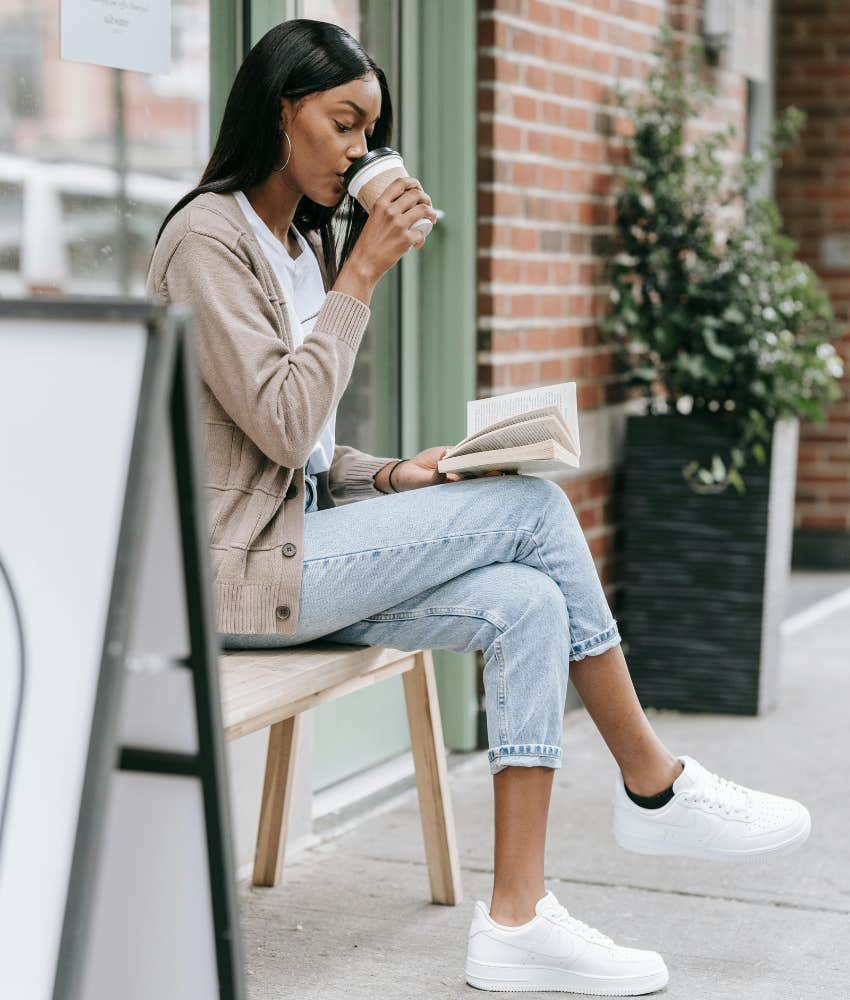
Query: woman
{"points": [[496, 564]]}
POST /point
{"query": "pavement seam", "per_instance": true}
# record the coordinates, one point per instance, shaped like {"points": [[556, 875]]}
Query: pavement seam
{"points": [[779, 904], [824, 608]]}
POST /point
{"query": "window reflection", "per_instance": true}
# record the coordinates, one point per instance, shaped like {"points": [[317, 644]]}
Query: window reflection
{"points": [[91, 158], [345, 13]]}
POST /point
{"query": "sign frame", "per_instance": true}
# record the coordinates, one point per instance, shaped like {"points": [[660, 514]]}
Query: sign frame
{"points": [[169, 391]]}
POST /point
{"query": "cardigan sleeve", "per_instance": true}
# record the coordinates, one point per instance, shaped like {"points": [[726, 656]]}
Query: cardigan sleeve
{"points": [[352, 474], [280, 398]]}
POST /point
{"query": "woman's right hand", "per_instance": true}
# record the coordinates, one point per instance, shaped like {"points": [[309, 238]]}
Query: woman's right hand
{"points": [[387, 234]]}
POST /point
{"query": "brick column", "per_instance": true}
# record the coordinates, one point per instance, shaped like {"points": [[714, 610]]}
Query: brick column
{"points": [[813, 189], [548, 153]]}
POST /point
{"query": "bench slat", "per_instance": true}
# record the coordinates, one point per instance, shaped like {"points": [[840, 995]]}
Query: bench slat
{"points": [[254, 683], [274, 711]]}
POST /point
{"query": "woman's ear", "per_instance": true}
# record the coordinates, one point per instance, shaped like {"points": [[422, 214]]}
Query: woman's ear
{"points": [[288, 110]]}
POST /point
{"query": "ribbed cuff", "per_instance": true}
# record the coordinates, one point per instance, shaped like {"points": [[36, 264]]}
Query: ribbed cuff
{"points": [[345, 317], [360, 484]]}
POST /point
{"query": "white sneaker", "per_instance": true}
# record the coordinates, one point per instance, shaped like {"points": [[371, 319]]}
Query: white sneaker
{"points": [[556, 952], [710, 817]]}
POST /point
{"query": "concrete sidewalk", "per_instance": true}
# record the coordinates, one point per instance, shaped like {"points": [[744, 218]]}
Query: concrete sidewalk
{"points": [[352, 918]]}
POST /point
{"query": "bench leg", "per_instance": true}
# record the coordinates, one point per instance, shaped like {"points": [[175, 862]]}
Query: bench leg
{"points": [[277, 799], [429, 758]]}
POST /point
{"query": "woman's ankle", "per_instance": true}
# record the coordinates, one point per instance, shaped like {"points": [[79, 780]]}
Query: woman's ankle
{"points": [[652, 782], [512, 911]]}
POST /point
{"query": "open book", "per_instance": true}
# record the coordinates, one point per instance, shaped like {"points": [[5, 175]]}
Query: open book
{"points": [[532, 431]]}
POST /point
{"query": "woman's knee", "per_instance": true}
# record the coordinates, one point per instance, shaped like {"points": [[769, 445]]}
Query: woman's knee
{"points": [[520, 590], [533, 493]]}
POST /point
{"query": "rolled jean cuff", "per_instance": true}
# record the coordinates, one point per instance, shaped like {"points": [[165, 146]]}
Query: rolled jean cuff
{"points": [[596, 644], [523, 755]]}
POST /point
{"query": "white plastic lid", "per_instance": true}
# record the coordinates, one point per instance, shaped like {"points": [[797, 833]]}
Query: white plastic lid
{"points": [[372, 170]]}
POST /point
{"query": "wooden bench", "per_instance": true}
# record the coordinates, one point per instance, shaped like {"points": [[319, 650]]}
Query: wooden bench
{"points": [[271, 688]]}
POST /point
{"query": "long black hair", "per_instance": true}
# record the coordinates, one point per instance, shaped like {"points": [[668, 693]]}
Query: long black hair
{"points": [[292, 60]]}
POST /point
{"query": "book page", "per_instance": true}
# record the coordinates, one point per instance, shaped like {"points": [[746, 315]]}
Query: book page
{"points": [[481, 413], [511, 421], [550, 427], [548, 456], [562, 432]]}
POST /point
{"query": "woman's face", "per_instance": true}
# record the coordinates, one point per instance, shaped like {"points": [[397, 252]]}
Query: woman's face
{"points": [[328, 130]]}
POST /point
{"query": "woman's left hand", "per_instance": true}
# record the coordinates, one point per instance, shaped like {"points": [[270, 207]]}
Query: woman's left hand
{"points": [[421, 470]]}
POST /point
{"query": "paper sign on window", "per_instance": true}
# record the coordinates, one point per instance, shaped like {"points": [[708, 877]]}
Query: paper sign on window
{"points": [[123, 34]]}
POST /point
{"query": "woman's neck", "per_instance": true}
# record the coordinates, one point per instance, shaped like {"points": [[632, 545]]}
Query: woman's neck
{"points": [[275, 203]]}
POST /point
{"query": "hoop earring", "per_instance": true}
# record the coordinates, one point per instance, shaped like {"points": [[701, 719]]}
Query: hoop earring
{"points": [[283, 132]]}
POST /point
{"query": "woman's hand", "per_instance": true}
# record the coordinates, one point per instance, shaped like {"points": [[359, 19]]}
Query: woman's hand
{"points": [[387, 233], [421, 470]]}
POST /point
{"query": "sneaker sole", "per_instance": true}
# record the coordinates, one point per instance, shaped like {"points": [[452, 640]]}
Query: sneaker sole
{"points": [[531, 979], [638, 845]]}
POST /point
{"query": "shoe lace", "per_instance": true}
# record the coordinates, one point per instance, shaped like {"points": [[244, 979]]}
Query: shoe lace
{"points": [[562, 916], [729, 797]]}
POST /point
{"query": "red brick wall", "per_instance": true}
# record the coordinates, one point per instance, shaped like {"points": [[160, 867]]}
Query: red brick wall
{"points": [[546, 170], [813, 189]]}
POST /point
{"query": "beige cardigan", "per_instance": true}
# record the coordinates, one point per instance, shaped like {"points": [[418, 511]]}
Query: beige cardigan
{"points": [[264, 406]]}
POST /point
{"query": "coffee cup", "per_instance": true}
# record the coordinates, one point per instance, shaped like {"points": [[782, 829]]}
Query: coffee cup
{"points": [[370, 175]]}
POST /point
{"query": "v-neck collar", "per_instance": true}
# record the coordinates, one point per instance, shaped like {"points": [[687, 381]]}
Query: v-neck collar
{"points": [[226, 205], [253, 218]]}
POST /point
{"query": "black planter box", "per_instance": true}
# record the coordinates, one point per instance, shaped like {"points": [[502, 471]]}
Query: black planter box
{"points": [[705, 576]]}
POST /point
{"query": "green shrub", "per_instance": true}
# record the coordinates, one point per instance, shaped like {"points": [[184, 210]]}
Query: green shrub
{"points": [[712, 320]]}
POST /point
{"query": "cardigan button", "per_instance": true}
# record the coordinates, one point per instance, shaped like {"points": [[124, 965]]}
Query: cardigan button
{"points": [[289, 550], [282, 612]]}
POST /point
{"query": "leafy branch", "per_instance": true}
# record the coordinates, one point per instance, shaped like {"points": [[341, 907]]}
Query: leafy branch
{"points": [[712, 312]]}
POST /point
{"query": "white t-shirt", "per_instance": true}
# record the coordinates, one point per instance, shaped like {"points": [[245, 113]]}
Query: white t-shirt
{"points": [[304, 294]]}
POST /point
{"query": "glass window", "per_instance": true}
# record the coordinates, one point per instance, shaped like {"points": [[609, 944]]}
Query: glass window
{"points": [[369, 415], [91, 158], [11, 226], [346, 13]]}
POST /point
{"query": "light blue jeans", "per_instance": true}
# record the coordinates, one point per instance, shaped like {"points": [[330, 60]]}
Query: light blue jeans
{"points": [[498, 564]]}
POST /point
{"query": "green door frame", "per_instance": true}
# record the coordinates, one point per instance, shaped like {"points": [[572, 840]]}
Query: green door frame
{"points": [[438, 129], [225, 56], [438, 284]]}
